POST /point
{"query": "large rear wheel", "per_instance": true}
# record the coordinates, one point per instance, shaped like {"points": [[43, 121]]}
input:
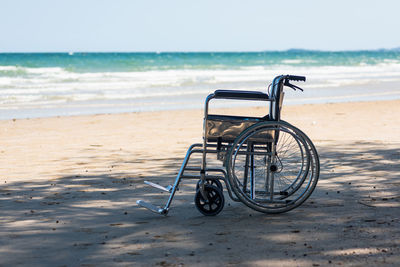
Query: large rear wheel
{"points": [[272, 167]]}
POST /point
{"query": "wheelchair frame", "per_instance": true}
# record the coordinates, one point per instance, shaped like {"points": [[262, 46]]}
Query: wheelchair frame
{"points": [[250, 148]]}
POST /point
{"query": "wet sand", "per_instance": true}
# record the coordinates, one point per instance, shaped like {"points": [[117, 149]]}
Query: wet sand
{"points": [[69, 185]]}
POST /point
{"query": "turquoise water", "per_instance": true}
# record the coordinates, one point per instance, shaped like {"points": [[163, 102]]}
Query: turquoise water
{"points": [[52, 84], [128, 62]]}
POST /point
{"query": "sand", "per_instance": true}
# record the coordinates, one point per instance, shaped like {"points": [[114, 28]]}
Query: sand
{"points": [[69, 185]]}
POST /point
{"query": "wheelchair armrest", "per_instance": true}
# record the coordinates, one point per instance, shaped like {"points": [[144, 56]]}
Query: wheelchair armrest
{"points": [[245, 95]]}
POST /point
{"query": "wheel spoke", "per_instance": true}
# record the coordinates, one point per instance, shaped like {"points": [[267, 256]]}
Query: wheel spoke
{"points": [[294, 171]]}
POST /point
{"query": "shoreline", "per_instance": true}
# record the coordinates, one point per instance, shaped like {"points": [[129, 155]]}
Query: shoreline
{"points": [[289, 102]]}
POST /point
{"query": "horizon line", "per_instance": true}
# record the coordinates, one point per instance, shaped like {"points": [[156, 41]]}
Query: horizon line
{"points": [[206, 51]]}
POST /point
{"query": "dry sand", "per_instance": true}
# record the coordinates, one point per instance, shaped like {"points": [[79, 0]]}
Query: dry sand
{"points": [[68, 189]]}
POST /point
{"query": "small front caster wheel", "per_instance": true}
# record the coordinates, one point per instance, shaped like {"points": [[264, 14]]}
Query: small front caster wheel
{"points": [[215, 182], [215, 202]]}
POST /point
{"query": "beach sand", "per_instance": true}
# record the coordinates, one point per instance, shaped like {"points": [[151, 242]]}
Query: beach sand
{"points": [[69, 185]]}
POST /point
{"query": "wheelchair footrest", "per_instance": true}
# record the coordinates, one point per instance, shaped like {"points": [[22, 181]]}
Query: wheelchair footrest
{"points": [[152, 207], [167, 189]]}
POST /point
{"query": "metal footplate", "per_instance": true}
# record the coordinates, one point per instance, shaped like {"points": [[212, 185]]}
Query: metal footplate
{"points": [[167, 189], [152, 207]]}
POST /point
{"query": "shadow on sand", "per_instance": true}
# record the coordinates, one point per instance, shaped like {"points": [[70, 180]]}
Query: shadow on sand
{"points": [[353, 218]]}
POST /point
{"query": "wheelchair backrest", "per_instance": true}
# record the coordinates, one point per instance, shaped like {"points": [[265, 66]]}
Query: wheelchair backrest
{"points": [[277, 94]]}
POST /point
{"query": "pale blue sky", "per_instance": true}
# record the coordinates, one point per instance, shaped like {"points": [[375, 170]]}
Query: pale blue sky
{"points": [[206, 25]]}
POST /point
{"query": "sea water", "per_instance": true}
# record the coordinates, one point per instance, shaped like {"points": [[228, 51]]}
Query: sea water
{"points": [[57, 84]]}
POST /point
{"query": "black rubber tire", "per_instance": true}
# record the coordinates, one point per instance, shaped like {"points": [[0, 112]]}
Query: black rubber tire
{"points": [[215, 202]]}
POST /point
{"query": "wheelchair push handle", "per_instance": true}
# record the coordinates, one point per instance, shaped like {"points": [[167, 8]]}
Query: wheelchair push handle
{"points": [[288, 78], [296, 78]]}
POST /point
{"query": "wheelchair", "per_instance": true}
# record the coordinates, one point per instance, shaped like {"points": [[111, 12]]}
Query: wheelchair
{"points": [[268, 164]]}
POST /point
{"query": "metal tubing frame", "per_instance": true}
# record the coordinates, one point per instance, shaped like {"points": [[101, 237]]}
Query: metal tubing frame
{"points": [[274, 114], [184, 168], [178, 178], [204, 157]]}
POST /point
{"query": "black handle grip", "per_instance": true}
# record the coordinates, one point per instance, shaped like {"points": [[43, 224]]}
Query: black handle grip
{"points": [[296, 78]]}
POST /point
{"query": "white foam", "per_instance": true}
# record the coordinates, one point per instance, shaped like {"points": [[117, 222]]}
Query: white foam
{"points": [[39, 86], [8, 68], [292, 61]]}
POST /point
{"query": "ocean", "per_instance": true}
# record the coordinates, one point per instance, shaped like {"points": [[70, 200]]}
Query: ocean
{"points": [[59, 84]]}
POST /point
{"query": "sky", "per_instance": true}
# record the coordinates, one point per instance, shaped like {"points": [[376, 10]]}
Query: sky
{"points": [[202, 25]]}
